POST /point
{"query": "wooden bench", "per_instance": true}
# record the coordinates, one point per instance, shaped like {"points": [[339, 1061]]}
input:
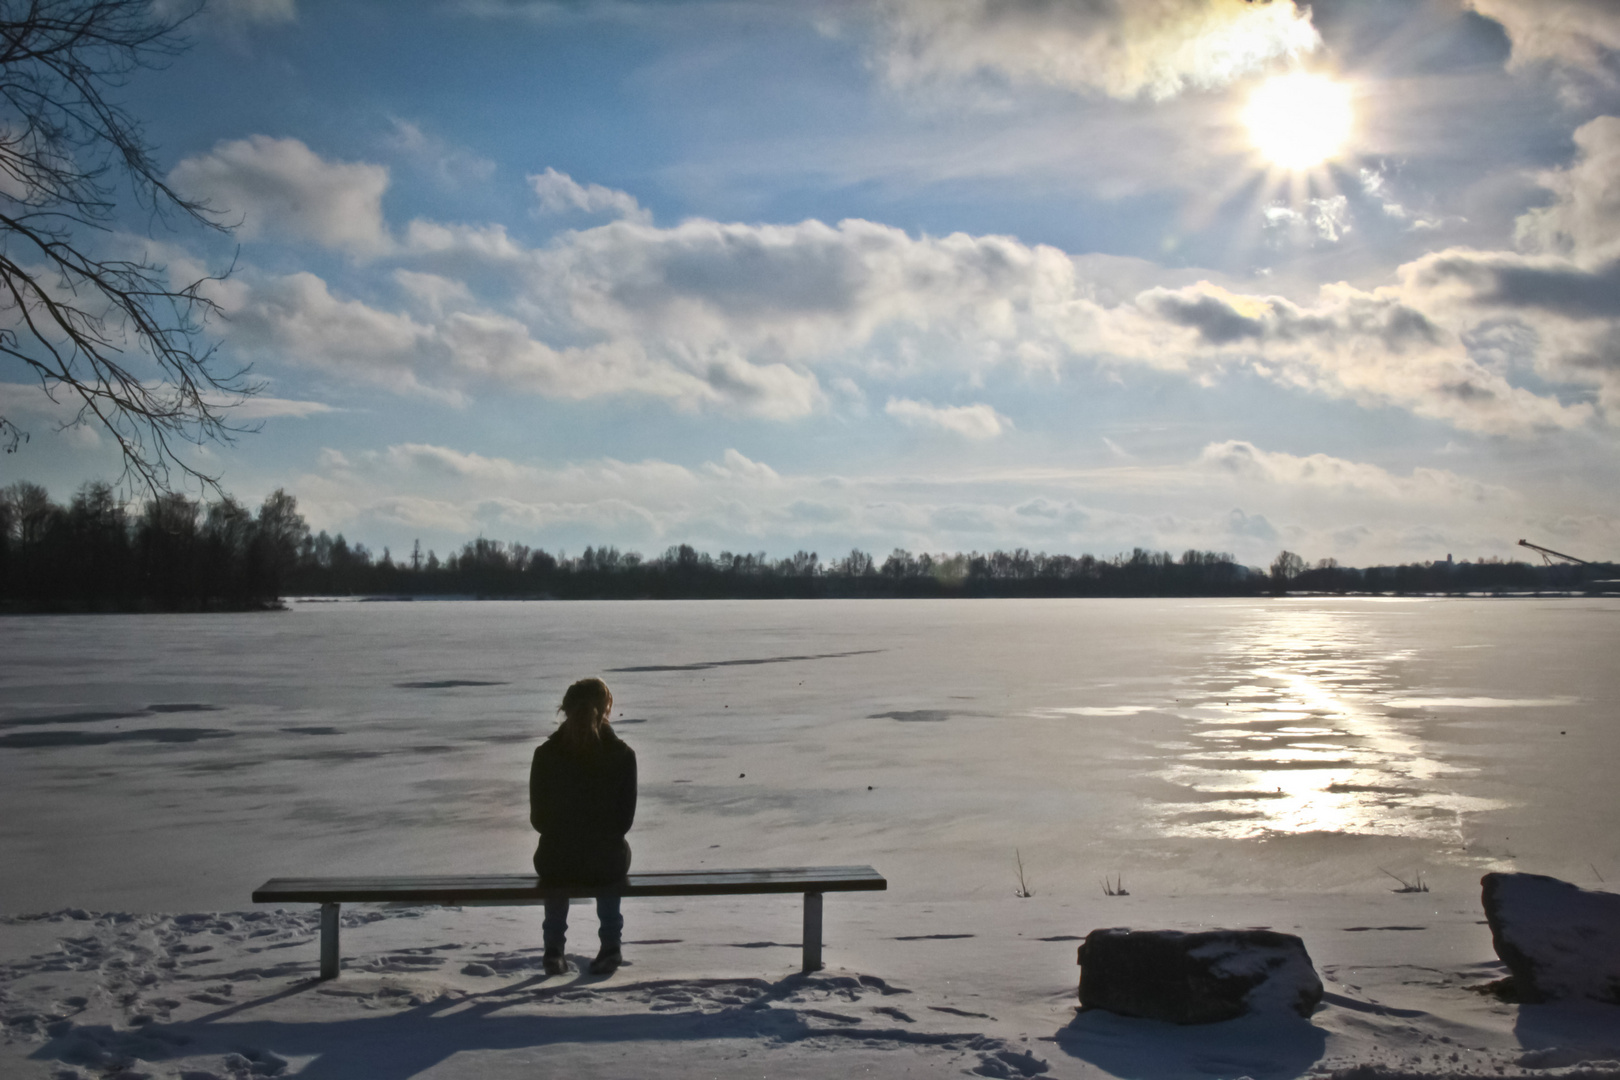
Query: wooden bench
{"points": [[501, 890]]}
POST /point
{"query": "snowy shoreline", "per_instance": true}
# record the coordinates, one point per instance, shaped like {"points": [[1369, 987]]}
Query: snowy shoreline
{"points": [[978, 987]]}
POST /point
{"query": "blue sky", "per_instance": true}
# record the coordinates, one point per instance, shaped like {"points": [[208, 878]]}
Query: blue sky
{"points": [[935, 274]]}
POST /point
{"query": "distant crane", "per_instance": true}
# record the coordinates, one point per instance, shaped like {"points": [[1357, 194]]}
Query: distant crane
{"points": [[1548, 554], [1592, 587]]}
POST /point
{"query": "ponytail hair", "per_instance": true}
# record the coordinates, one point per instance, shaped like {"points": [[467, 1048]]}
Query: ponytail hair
{"points": [[585, 708]]}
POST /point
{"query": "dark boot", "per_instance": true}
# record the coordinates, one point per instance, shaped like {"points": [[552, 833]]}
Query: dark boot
{"points": [[556, 962], [607, 961]]}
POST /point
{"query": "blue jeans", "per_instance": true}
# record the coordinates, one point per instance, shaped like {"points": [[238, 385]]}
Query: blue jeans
{"points": [[555, 928]]}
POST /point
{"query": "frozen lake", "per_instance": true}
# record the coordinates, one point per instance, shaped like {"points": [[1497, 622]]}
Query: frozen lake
{"points": [[1199, 746]]}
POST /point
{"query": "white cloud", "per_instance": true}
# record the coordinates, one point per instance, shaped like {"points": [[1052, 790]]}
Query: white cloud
{"points": [[1117, 450], [32, 399], [970, 421], [413, 512], [1375, 186], [1324, 220], [482, 244], [1584, 221], [1243, 460], [797, 292], [610, 517], [297, 319], [1124, 49], [455, 463], [738, 466], [261, 407], [283, 189], [434, 294], [1382, 347], [1540, 312], [453, 166], [502, 349], [561, 194], [1583, 34], [1555, 309]]}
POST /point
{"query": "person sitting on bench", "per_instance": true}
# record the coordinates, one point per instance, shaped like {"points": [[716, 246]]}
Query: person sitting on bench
{"points": [[582, 801]]}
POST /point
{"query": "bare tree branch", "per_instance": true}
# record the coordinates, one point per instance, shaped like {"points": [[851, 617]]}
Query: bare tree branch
{"points": [[114, 336]]}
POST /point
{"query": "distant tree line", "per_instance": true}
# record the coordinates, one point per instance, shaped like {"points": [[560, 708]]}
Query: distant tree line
{"points": [[492, 568], [173, 553], [1484, 575]]}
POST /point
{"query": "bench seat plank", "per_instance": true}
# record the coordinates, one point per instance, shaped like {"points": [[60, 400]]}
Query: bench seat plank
{"points": [[526, 888], [497, 889]]}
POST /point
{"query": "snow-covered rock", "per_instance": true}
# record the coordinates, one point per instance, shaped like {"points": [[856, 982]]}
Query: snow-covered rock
{"points": [[1558, 940], [1196, 978]]}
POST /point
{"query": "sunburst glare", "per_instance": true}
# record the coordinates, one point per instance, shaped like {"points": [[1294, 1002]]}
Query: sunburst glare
{"points": [[1300, 120]]}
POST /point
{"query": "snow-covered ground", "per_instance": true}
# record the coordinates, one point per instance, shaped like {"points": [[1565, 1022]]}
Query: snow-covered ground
{"points": [[1238, 764], [984, 987]]}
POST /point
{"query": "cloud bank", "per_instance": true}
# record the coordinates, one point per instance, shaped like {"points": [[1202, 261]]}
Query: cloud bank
{"points": [[758, 319], [1233, 496]]}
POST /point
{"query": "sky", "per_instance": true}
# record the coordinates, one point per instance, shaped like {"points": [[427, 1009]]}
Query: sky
{"points": [[943, 275]]}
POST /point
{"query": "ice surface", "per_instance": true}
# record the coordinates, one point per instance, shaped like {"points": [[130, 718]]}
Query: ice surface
{"points": [[1190, 745]]}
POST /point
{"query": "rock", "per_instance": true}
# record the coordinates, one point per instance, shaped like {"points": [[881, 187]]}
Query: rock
{"points": [[1196, 978], [1559, 941]]}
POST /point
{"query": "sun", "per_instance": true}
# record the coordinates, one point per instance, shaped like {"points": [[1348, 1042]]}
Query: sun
{"points": [[1299, 120]]}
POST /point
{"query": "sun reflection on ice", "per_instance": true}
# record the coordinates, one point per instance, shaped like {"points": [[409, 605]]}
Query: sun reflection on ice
{"points": [[1293, 731]]}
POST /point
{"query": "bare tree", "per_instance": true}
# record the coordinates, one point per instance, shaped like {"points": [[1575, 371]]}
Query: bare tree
{"points": [[1284, 568], [99, 325]]}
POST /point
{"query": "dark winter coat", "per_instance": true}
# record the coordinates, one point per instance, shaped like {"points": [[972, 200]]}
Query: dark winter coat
{"points": [[582, 803]]}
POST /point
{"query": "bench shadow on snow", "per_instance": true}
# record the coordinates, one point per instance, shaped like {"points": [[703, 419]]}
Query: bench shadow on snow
{"points": [[1263, 1047], [403, 1042]]}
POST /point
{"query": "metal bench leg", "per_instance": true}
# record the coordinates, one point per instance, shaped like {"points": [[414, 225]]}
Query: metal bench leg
{"points": [[812, 931], [329, 940]]}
